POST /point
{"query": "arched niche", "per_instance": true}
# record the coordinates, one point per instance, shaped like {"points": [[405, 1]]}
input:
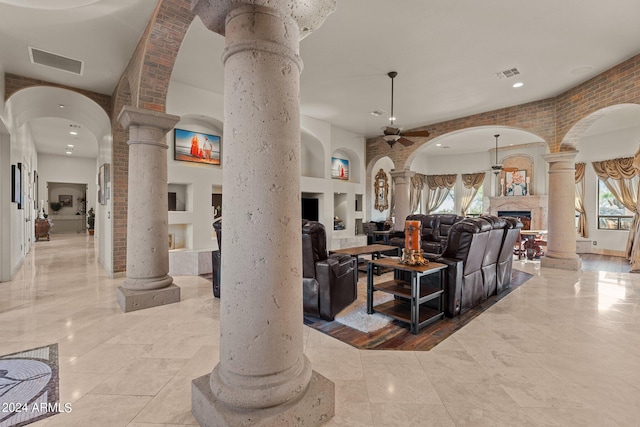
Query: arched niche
{"points": [[386, 164], [312, 158], [354, 164]]}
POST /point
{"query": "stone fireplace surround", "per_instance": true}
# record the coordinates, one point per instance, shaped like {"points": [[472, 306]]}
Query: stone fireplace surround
{"points": [[537, 205]]}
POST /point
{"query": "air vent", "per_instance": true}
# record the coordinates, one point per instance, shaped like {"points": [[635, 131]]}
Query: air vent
{"points": [[511, 72], [55, 61]]}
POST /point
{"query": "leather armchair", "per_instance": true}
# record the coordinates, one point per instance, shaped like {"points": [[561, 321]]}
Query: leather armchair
{"points": [[215, 259], [329, 282], [464, 254], [505, 259]]}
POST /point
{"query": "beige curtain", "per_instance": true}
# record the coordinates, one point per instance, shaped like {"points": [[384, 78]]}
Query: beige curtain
{"points": [[634, 253], [582, 219], [617, 175], [439, 187], [415, 192], [472, 183]]}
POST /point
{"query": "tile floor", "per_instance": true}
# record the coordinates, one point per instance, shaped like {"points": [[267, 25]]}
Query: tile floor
{"points": [[562, 350]]}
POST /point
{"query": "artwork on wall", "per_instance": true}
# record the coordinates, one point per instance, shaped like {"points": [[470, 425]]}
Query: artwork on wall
{"points": [[516, 183], [65, 200], [16, 184], [189, 146], [103, 181], [339, 168]]}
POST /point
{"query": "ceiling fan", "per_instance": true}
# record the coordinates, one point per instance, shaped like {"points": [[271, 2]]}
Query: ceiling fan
{"points": [[392, 133]]}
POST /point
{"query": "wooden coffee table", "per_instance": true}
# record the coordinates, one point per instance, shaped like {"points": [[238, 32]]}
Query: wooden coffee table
{"points": [[374, 250]]}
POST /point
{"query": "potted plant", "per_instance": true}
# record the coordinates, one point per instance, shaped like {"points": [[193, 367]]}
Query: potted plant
{"points": [[91, 221], [55, 206]]}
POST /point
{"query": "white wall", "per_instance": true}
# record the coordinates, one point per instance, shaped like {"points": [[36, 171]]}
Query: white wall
{"points": [[481, 162], [611, 145], [22, 225], [67, 169], [318, 138]]}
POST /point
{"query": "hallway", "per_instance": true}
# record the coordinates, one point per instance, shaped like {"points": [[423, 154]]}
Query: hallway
{"points": [[562, 349]]}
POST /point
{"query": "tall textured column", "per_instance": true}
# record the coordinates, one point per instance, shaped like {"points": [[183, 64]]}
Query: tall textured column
{"points": [[401, 190], [148, 283], [263, 377], [561, 243]]}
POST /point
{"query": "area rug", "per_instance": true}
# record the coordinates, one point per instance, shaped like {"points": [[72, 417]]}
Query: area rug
{"points": [[351, 328], [355, 315], [29, 386]]}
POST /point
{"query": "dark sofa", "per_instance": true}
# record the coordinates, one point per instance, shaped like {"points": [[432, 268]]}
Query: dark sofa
{"points": [[435, 232], [479, 255]]}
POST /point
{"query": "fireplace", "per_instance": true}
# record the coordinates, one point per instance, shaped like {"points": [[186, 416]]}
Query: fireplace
{"points": [[524, 216], [534, 207]]}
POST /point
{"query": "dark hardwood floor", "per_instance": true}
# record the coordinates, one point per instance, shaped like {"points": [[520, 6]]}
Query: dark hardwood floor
{"points": [[396, 335]]}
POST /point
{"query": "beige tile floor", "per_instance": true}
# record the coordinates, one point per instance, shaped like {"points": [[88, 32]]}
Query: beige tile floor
{"points": [[561, 350]]}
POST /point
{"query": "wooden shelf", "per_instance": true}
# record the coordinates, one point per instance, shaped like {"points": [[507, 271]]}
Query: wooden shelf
{"points": [[403, 289], [401, 310]]}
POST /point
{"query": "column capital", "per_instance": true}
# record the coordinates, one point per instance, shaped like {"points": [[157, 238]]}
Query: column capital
{"points": [[308, 14], [132, 116], [562, 156], [402, 173]]}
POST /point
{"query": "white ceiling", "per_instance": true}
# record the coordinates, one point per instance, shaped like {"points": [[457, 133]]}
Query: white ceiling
{"points": [[447, 54]]}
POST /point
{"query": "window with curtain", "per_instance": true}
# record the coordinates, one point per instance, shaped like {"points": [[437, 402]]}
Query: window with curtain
{"points": [[612, 213], [448, 205], [617, 194], [475, 208]]}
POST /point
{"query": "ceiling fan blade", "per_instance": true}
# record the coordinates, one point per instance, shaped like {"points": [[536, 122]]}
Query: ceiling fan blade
{"points": [[404, 141], [424, 133]]}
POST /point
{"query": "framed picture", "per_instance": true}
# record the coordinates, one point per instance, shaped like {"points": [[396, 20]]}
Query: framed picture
{"points": [[65, 200], [101, 198], [189, 146], [516, 183], [16, 184], [339, 168], [103, 181]]}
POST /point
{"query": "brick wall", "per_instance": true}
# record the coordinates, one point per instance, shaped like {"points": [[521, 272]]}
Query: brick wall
{"points": [[559, 121], [144, 84]]}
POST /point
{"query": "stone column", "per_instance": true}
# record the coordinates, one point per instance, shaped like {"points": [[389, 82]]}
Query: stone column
{"points": [[263, 377], [148, 283], [401, 190], [561, 238]]}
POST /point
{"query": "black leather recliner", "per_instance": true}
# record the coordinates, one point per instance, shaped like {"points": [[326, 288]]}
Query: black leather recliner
{"points": [[505, 259], [329, 282], [491, 254], [464, 254]]}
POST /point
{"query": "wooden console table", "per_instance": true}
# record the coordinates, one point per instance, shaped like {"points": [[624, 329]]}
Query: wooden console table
{"points": [[42, 229], [409, 304]]}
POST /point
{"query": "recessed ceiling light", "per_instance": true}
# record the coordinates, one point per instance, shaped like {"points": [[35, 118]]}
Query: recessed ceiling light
{"points": [[518, 84], [61, 105], [377, 113], [69, 145], [73, 132], [438, 145]]}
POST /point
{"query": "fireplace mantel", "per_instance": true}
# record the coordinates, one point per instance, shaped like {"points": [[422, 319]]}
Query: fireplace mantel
{"points": [[538, 205]]}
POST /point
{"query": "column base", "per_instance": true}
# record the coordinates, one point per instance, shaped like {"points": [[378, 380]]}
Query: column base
{"points": [[314, 408], [561, 263], [129, 300]]}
